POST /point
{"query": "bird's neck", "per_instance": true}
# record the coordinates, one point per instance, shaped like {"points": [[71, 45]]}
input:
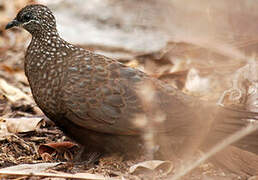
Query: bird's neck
{"points": [[48, 47], [45, 60], [47, 40], [45, 50], [39, 32]]}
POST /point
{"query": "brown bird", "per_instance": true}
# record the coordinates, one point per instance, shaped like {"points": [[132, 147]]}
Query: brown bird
{"points": [[101, 103]]}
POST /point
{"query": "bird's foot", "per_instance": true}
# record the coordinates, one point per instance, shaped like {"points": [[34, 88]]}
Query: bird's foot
{"points": [[85, 157]]}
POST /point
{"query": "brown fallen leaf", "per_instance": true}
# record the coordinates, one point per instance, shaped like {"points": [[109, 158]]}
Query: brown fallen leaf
{"points": [[23, 124], [37, 170], [50, 150], [153, 166], [12, 93]]}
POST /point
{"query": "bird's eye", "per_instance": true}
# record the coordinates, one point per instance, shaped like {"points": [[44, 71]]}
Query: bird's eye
{"points": [[26, 17]]}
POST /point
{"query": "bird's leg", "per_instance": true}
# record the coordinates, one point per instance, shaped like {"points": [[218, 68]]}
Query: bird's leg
{"points": [[86, 156]]}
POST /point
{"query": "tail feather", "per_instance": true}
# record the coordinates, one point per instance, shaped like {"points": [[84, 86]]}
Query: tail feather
{"points": [[237, 160], [230, 120]]}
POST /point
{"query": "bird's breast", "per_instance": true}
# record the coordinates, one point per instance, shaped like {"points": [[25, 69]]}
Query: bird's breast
{"points": [[44, 78]]}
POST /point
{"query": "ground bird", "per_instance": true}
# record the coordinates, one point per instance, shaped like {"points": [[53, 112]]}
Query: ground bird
{"points": [[100, 102]]}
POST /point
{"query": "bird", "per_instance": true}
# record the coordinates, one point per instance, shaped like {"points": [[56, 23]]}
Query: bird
{"points": [[109, 107]]}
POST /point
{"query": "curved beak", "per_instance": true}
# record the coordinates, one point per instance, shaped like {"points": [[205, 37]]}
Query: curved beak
{"points": [[12, 23]]}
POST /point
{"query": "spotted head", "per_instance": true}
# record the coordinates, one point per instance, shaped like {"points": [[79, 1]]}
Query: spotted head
{"points": [[35, 18]]}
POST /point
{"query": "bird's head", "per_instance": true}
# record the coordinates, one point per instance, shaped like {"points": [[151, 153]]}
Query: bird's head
{"points": [[35, 19]]}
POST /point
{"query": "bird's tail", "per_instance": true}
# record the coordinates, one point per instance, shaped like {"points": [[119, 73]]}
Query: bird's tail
{"points": [[229, 123], [230, 120]]}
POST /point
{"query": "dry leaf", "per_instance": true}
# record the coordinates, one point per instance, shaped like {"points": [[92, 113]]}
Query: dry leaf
{"points": [[3, 130], [29, 167], [47, 151], [12, 93], [161, 167], [23, 124], [36, 170]]}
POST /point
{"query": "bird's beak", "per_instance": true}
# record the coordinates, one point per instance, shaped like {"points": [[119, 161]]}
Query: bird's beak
{"points": [[11, 24]]}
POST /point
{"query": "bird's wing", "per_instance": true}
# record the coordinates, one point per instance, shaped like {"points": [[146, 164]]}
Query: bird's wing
{"points": [[102, 94]]}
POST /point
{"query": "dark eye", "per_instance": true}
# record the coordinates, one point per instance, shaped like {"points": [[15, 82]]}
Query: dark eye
{"points": [[27, 17]]}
